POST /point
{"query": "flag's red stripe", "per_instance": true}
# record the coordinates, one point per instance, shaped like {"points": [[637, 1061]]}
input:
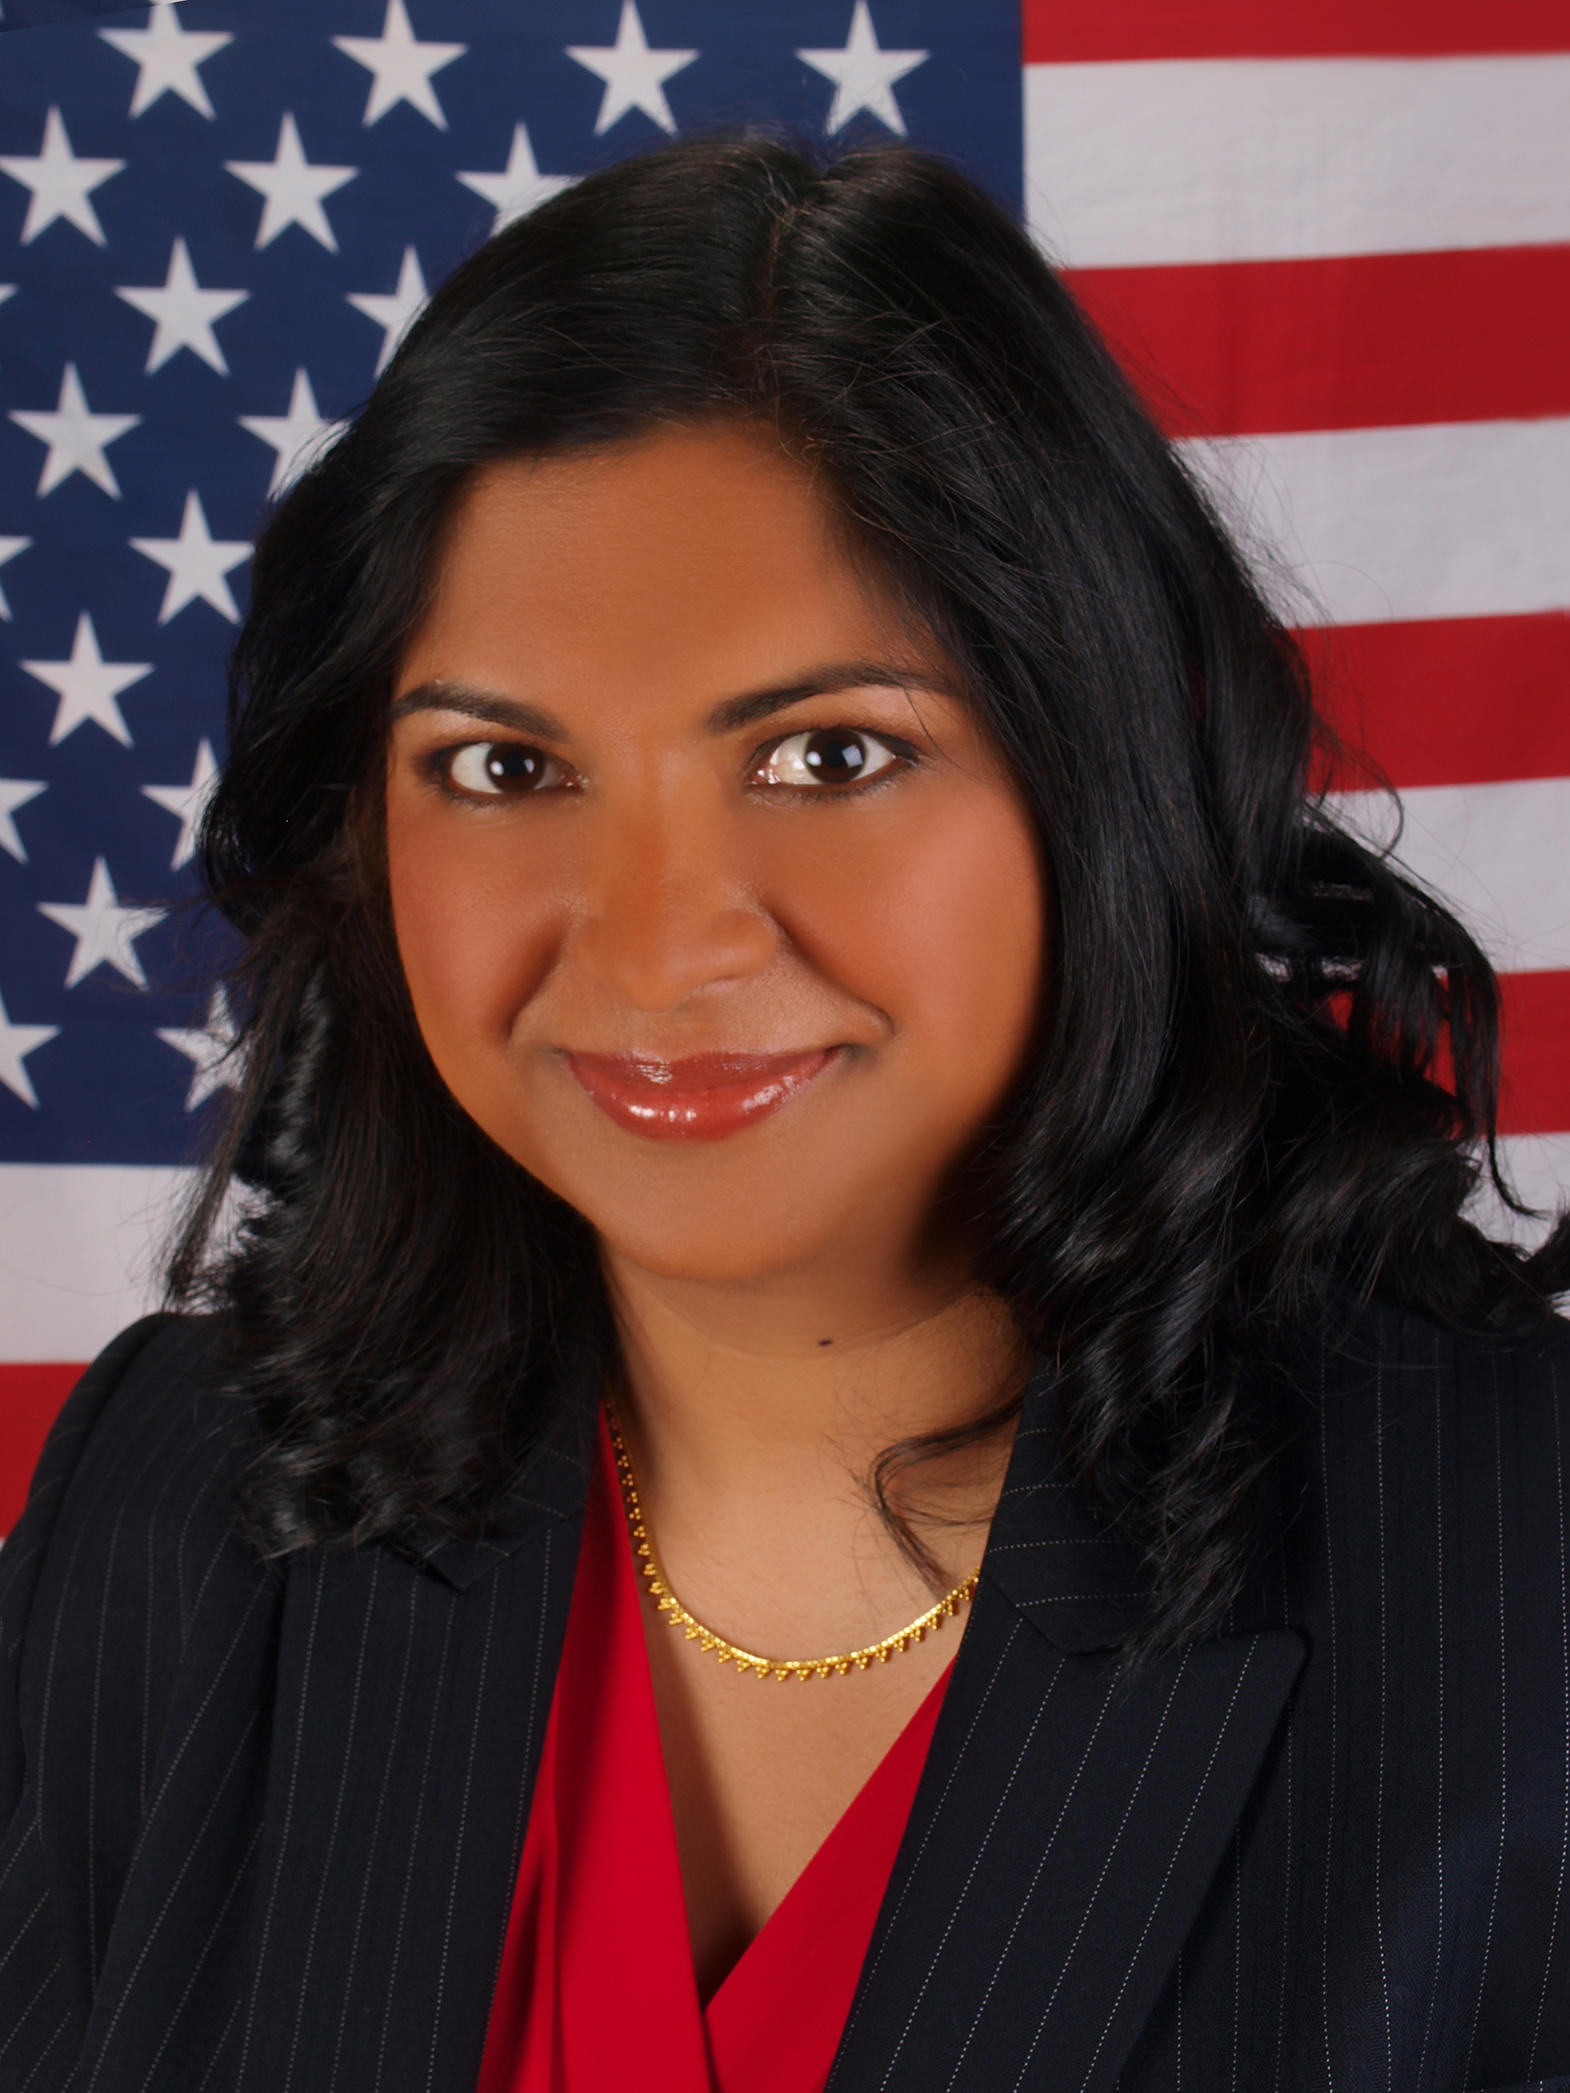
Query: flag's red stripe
{"points": [[30, 1399], [1069, 31], [1536, 1095], [1450, 701], [1361, 341]]}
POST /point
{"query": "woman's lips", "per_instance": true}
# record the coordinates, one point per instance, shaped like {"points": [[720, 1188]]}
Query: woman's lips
{"points": [[703, 1097]]}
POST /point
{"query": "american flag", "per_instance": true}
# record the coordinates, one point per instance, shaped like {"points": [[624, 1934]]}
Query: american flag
{"points": [[1330, 242]]}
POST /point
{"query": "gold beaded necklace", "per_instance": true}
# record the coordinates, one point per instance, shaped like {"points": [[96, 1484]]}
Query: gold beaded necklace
{"points": [[748, 1660]]}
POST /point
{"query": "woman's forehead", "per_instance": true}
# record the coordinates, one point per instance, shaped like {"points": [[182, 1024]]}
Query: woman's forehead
{"points": [[704, 554], [715, 484]]}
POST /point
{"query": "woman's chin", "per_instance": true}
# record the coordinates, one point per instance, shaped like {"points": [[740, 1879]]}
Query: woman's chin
{"points": [[710, 1257]]}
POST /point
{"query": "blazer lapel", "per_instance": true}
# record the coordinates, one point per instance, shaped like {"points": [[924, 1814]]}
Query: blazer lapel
{"points": [[411, 1710], [1068, 1820]]}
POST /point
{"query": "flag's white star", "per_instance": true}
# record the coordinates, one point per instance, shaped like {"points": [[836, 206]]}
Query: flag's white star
{"points": [[9, 548], [863, 75], [62, 185], [298, 437], [634, 75], [183, 312], [293, 188], [197, 563], [16, 1043], [188, 803], [105, 932], [519, 186], [14, 793], [88, 686], [7, 290], [401, 66], [393, 313], [212, 1050], [167, 57], [77, 438]]}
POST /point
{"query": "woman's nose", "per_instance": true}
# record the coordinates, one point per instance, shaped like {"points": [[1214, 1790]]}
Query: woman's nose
{"points": [[666, 907]]}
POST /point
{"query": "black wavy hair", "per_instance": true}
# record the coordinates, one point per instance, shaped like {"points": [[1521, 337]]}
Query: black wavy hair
{"points": [[1269, 1056]]}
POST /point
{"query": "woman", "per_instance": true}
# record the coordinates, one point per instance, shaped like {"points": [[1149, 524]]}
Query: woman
{"points": [[805, 1034]]}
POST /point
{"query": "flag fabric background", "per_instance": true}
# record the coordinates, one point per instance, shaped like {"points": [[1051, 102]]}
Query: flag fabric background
{"points": [[1330, 243]]}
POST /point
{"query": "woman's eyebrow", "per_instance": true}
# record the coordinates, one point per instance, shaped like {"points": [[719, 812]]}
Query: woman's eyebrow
{"points": [[727, 717]]}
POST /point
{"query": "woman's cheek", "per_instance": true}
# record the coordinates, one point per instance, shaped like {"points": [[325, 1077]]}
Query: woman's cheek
{"points": [[939, 919], [471, 927]]}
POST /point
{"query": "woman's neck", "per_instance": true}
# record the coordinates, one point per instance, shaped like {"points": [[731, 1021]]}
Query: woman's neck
{"points": [[769, 1403]]}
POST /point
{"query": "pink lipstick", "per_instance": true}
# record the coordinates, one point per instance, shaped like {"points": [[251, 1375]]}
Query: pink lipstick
{"points": [[704, 1097]]}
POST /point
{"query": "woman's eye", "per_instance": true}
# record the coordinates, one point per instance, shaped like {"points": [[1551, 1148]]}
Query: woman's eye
{"points": [[827, 756], [817, 758], [498, 769]]}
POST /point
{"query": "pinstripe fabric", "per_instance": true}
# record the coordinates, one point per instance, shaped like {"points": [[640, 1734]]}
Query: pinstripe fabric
{"points": [[261, 1824]]}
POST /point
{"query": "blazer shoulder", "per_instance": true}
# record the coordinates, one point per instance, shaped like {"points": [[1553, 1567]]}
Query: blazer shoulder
{"points": [[1407, 1429], [147, 1446], [1417, 1361]]}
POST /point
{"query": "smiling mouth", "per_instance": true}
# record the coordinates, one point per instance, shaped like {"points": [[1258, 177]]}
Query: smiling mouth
{"points": [[702, 1097]]}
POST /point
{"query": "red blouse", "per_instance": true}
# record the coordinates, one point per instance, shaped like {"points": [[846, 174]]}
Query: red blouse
{"points": [[597, 1989]]}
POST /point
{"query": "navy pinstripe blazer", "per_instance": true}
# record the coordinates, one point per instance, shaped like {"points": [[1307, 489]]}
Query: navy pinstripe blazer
{"points": [[260, 1825]]}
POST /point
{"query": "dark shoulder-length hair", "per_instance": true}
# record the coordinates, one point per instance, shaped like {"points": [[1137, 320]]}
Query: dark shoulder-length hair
{"points": [[1267, 1060]]}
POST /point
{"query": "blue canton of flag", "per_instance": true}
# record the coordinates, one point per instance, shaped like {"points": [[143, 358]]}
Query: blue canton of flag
{"points": [[215, 223]]}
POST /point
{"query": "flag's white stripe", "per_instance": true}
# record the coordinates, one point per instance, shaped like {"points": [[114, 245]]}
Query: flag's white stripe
{"points": [[1498, 853], [1439, 520], [1250, 159], [1537, 1167], [79, 1247], [79, 1243]]}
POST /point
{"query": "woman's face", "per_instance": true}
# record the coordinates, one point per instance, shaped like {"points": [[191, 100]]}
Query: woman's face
{"points": [[670, 780]]}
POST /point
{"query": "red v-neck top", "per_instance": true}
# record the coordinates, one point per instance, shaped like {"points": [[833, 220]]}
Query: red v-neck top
{"points": [[597, 1990]]}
